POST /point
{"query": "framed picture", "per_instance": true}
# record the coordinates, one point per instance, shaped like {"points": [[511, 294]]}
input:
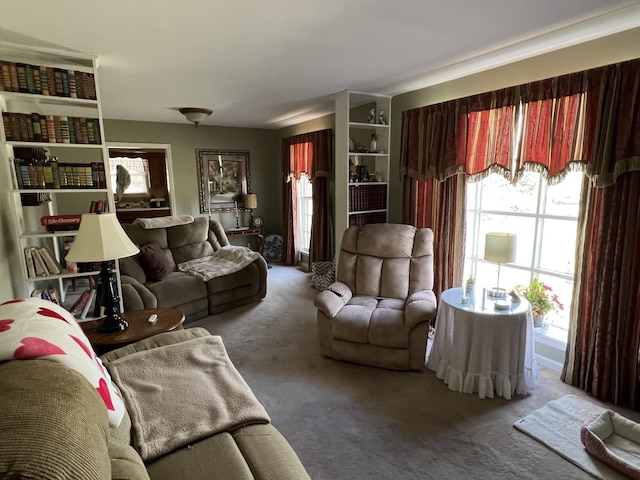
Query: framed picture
{"points": [[223, 179]]}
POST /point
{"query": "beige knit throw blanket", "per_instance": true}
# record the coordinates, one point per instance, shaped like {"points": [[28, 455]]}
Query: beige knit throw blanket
{"points": [[229, 259], [180, 393]]}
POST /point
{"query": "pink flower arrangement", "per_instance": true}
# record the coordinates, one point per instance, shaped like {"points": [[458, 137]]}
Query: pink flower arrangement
{"points": [[541, 297]]}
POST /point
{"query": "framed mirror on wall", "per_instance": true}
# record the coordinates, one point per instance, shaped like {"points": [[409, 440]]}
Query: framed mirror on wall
{"points": [[223, 180]]}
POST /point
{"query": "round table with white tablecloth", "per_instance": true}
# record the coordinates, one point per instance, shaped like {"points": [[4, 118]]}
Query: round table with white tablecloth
{"points": [[477, 348]]}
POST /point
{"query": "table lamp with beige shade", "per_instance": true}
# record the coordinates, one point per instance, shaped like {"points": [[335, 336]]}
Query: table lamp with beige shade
{"points": [[499, 247], [102, 239]]}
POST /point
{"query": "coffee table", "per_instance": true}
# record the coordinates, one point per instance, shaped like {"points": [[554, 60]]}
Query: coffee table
{"points": [[139, 328]]}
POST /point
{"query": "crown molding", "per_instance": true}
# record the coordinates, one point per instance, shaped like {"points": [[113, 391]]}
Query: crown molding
{"points": [[591, 29]]}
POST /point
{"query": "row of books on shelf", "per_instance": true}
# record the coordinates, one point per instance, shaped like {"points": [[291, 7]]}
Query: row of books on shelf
{"points": [[41, 262], [51, 174], [50, 81], [361, 219], [34, 127], [81, 305], [371, 197]]}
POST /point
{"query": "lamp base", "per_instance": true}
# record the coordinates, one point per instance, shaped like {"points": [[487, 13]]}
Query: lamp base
{"points": [[497, 293], [113, 323]]}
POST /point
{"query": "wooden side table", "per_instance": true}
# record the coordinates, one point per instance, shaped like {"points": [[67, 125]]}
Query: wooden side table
{"points": [[248, 232], [139, 328]]}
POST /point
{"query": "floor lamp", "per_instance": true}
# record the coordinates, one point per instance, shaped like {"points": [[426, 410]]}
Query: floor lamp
{"points": [[102, 239], [501, 248]]}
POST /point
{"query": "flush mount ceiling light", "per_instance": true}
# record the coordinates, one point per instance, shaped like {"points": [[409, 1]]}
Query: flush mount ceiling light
{"points": [[196, 115]]}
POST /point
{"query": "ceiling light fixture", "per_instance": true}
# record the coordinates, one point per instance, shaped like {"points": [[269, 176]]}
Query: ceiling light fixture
{"points": [[196, 115]]}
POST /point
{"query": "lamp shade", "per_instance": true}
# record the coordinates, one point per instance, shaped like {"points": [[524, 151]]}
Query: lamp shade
{"points": [[100, 238], [251, 200], [196, 114], [500, 247]]}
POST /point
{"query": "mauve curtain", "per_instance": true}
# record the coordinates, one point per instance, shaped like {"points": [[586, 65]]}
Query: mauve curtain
{"points": [[310, 154], [603, 349], [471, 135], [440, 145], [441, 207], [552, 140], [602, 353], [321, 248]]}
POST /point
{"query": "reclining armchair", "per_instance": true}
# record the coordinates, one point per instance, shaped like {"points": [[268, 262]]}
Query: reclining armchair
{"points": [[378, 310]]}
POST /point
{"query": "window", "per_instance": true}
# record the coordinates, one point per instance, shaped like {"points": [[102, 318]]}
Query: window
{"points": [[544, 217], [305, 212], [138, 169]]}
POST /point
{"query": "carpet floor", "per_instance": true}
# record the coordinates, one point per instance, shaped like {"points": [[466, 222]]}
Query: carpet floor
{"points": [[557, 425], [351, 422]]}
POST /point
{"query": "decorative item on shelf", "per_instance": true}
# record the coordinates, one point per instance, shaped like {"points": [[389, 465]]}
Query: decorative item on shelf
{"points": [[257, 221], [499, 247], [541, 298], [363, 173], [381, 118], [196, 114], [102, 239], [378, 177], [352, 144], [372, 116], [374, 143]]}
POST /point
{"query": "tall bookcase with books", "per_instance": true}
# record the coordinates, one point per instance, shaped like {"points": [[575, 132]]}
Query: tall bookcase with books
{"points": [[54, 164], [362, 140]]}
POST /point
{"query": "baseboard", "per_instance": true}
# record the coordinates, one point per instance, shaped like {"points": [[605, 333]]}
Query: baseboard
{"points": [[548, 363]]}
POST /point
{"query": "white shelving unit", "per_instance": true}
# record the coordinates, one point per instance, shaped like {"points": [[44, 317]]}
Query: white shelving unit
{"points": [[361, 199], [23, 218]]}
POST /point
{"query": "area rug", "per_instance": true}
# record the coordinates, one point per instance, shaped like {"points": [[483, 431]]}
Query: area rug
{"points": [[557, 426]]}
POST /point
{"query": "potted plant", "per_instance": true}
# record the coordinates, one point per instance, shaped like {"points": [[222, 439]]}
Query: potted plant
{"points": [[470, 285], [542, 300]]}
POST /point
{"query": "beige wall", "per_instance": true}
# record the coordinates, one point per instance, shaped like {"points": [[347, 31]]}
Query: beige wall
{"points": [[612, 49], [264, 154]]}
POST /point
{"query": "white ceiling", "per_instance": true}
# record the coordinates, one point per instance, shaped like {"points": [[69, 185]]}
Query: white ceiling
{"points": [[275, 63]]}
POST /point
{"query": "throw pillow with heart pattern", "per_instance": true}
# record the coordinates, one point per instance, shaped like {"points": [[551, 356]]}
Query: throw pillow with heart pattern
{"points": [[38, 329]]}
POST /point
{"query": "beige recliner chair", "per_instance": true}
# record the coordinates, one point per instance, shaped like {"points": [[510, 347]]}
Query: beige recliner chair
{"points": [[378, 310]]}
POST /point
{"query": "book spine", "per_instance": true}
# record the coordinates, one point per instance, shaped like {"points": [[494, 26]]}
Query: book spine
{"points": [[31, 81], [6, 76], [102, 177], [72, 130], [55, 172], [87, 305], [36, 78], [13, 75], [28, 258], [44, 128], [57, 130], [51, 80], [73, 93], [35, 125], [27, 120], [58, 82], [51, 129], [6, 122], [44, 81], [64, 74], [22, 78], [40, 183], [64, 129], [41, 268], [48, 174], [2, 87], [52, 265]]}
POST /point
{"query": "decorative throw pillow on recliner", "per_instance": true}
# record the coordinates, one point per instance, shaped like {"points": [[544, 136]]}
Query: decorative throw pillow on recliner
{"points": [[154, 262]]}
